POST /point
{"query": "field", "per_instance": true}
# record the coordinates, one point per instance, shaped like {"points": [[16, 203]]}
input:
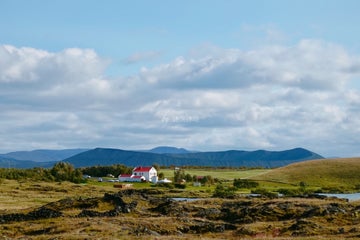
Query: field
{"points": [[97, 210], [221, 174], [334, 175], [40, 210]]}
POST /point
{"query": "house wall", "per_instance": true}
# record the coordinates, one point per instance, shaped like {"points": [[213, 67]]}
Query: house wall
{"points": [[148, 175]]}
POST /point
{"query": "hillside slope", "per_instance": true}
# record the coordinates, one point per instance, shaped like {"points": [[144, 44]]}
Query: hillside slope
{"points": [[343, 172]]}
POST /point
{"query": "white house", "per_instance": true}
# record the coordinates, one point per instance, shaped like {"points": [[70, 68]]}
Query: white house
{"points": [[140, 174]]}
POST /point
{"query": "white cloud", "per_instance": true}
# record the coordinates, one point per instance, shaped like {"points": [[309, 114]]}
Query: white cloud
{"points": [[275, 97], [311, 64], [142, 56]]}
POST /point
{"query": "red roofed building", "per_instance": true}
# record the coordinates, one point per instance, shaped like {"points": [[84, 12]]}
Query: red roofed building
{"points": [[140, 174]]}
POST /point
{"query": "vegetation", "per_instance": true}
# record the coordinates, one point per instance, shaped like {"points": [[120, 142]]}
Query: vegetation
{"points": [[221, 174], [223, 191], [245, 183], [101, 171], [221, 213], [329, 175], [86, 213], [61, 171]]}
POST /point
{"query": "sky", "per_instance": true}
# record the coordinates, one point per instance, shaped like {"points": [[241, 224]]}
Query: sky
{"points": [[204, 75]]}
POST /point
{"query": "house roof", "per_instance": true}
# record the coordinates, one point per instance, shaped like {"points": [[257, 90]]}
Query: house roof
{"points": [[142, 169], [125, 175], [138, 177]]}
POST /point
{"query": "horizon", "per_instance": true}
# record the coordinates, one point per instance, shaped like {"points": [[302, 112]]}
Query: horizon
{"points": [[173, 147], [208, 75]]}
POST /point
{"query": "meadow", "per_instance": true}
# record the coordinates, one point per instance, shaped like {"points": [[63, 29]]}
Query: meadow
{"points": [[329, 175], [218, 173], [86, 212]]}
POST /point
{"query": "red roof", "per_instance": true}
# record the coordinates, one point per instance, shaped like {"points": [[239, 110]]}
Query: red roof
{"points": [[125, 175], [137, 177], [142, 169]]}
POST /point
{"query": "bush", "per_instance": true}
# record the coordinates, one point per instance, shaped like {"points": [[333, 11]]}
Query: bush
{"points": [[265, 193], [165, 185], [289, 192], [179, 185], [245, 183], [224, 191]]}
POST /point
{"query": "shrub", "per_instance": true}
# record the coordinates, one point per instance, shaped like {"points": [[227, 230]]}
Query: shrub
{"points": [[179, 185], [265, 193], [245, 183], [224, 191], [165, 185], [289, 192]]}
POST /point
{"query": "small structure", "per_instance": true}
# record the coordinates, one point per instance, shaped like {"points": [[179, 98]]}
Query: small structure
{"points": [[123, 186], [165, 180], [140, 174], [197, 184]]}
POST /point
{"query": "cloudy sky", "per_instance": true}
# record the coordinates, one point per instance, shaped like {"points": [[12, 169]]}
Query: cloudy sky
{"points": [[203, 75]]}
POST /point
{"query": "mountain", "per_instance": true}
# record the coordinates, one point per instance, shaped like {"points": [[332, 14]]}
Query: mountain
{"points": [[109, 156], [169, 150], [43, 155], [231, 158], [6, 162]]}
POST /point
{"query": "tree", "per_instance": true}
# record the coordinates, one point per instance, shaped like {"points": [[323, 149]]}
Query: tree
{"points": [[188, 177], [63, 171], [161, 175], [179, 175], [156, 166]]}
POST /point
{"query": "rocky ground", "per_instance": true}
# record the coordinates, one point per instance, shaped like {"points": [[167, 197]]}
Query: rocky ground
{"points": [[148, 214]]}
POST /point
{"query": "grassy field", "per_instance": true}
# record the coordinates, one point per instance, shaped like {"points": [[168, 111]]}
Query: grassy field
{"points": [[221, 174], [332, 174], [205, 218], [310, 218]]}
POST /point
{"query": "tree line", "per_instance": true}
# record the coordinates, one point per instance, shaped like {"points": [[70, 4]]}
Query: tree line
{"points": [[62, 171]]}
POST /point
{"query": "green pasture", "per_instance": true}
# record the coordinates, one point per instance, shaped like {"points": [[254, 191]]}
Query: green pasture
{"points": [[221, 174]]}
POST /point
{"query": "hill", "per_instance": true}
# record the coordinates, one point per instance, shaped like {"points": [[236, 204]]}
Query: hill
{"points": [[336, 173], [43, 155], [259, 158], [168, 150], [232, 158], [13, 163]]}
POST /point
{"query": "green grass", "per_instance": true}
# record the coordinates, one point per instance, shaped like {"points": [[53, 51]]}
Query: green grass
{"points": [[337, 174], [221, 174]]}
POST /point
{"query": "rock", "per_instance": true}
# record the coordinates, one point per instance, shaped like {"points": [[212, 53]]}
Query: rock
{"points": [[209, 213], [304, 227]]}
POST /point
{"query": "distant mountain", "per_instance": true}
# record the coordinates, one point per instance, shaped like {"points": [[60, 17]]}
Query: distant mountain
{"points": [[231, 158], [169, 150], [13, 163], [258, 158], [108, 156], [43, 155]]}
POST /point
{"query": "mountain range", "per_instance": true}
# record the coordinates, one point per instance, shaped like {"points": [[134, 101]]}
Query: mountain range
{"points": [[164, 156]]}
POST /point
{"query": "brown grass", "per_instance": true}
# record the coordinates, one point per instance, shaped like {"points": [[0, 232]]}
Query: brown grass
{"points": [[328, 173]]}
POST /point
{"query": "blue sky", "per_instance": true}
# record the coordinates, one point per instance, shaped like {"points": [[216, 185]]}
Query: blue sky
{"points": [[205, 75]]}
